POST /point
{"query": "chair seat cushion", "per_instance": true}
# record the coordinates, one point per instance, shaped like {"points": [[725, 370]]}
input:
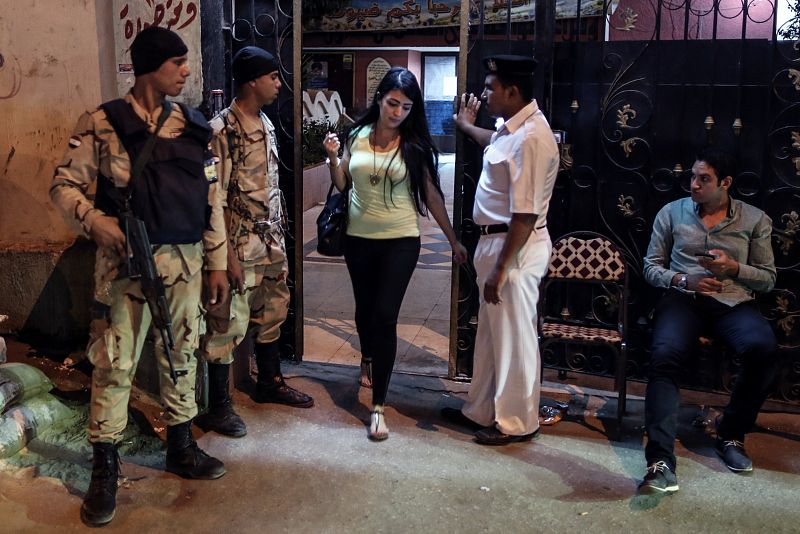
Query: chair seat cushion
{"points": [[581, 333]]}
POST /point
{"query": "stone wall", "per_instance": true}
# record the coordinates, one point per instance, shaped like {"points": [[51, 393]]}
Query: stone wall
{"points": [[50, 73], [55, 65], [46, 291]]}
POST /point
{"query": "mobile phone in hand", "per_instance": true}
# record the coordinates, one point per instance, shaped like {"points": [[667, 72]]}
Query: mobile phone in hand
{"points": [[705, 255]]}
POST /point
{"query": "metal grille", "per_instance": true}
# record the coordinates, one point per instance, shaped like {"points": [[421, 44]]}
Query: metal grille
{"points": [[637, 99], [269, 25]]}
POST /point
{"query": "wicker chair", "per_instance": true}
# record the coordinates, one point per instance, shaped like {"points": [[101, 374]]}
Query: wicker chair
{"points": [[587, 258]]}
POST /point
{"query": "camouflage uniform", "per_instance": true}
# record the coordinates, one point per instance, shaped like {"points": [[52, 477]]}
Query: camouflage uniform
{"points": [[248, 177], [95, 148]]}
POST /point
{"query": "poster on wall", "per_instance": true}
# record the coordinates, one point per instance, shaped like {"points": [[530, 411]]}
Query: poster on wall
{"points": [[180, 16], [375, 15], [316, 72], [376, 70]]}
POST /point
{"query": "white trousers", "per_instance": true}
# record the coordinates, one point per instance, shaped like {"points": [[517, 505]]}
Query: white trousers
{"points": [[506, 385]]}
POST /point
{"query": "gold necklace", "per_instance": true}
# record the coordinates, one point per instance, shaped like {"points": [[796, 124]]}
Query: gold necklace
{"points": [[375, 177]]}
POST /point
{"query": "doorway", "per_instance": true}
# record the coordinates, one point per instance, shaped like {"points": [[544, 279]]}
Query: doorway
{"points": [[337, 88]]}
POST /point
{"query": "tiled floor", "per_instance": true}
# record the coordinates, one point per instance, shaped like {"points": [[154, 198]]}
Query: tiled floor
{"points": [[424, 323]]}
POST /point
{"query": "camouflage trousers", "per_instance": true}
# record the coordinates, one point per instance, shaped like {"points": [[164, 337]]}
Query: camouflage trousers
{"points": [[115, 354], [262, 308]]}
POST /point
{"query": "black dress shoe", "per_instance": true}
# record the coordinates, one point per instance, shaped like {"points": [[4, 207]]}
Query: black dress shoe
{"points": [[281, 393], [456, 416], [492, 436]]}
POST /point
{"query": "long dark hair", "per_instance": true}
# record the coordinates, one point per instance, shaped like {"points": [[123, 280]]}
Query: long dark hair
{"points": [[416, 146]]}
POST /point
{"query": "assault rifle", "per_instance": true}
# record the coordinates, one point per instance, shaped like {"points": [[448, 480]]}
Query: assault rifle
{"points": [[142, 267], [139, 256]]}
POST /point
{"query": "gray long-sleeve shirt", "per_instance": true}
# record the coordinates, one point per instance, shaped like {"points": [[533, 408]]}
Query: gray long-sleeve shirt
{"points": [[744, 234]]}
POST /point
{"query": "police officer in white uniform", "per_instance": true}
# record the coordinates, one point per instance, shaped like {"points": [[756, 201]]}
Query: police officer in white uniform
{"points": [[520, 164]]}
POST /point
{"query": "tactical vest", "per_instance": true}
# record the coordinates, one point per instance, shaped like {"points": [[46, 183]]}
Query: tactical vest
{"points": [[171, 194]]}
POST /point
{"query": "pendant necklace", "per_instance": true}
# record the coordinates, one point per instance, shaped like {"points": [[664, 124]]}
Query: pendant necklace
{"points": [[375, 177]]}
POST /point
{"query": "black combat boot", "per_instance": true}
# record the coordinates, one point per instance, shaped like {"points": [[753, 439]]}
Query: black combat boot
{"points": [[186, 459], [271, 386], [220, 417], [101, 498]]}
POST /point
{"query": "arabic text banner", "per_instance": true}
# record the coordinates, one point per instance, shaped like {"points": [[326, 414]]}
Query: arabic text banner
{"points": [[180, 16], [378, 15]]}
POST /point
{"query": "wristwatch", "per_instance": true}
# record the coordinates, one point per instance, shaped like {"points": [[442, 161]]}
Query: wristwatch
{"points": [[681, 282]]}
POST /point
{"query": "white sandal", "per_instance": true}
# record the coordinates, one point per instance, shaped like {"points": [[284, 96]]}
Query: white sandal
{"points": [[378, 431]]}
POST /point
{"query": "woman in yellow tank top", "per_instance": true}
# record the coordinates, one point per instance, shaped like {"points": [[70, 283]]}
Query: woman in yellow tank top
{"points": [[391, 162]]}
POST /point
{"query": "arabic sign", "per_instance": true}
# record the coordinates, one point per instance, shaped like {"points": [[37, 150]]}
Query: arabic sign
{"points": [[376, 70], [180, 16], [377, 15]]}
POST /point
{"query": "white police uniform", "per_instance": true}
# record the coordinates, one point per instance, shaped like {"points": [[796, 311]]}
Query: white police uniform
{"points": [[519, 171]]}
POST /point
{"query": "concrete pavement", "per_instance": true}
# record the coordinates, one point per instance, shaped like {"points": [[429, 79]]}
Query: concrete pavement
{"points": [[315, 471]]}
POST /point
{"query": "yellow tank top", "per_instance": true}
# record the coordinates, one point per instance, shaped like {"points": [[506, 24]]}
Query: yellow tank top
{"points": [[383, 210]]}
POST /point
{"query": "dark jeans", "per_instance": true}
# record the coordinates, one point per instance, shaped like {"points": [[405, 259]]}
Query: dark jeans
{"points": [[679, 320], [380, 270]]}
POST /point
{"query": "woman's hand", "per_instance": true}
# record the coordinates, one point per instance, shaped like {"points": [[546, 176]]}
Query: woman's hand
{"points": [[331, 145], [460, 254]]}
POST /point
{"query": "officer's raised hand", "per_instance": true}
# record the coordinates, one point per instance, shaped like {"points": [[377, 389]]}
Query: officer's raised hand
{"points": [[467, 111], [105, 231]]}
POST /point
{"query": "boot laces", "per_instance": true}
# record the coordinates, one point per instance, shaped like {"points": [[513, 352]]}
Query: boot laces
{"points": [[224, 407], [198, 454], [104, 473], [106, 468]]}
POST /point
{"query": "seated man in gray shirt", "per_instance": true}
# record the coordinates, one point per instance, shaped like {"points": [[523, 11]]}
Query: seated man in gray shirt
{"points": [[710, 252]]}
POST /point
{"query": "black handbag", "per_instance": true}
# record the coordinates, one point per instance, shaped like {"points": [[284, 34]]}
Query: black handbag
{"points": [[332, 224]]}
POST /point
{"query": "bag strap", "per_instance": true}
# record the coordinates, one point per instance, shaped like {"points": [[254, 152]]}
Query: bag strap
{"points": [[150, 144], [344, 191], [348, 184], [330, 191]]}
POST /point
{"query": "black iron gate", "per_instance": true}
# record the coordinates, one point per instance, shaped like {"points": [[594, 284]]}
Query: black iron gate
{"points": [[268, 24], [637, 95]]}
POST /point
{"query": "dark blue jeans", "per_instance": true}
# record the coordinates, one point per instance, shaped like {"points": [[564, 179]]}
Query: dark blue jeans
{"points": [[380, 270], [679, 320]]}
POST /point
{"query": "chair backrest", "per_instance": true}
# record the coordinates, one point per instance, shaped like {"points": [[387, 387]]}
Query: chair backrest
{"points": [[586, 256]]}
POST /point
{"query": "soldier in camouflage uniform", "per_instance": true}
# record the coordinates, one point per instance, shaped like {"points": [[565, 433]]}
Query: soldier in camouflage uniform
{"points": [[102, 150], [245, 143]]}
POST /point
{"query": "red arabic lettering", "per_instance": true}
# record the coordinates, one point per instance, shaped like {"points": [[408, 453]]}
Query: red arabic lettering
{"points": [[177, 15], [191, 11], [174, 13], [159, 15]]}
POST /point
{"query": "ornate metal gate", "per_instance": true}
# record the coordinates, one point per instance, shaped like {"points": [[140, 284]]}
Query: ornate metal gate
{"points": [[637, 94], [269, 24]]}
